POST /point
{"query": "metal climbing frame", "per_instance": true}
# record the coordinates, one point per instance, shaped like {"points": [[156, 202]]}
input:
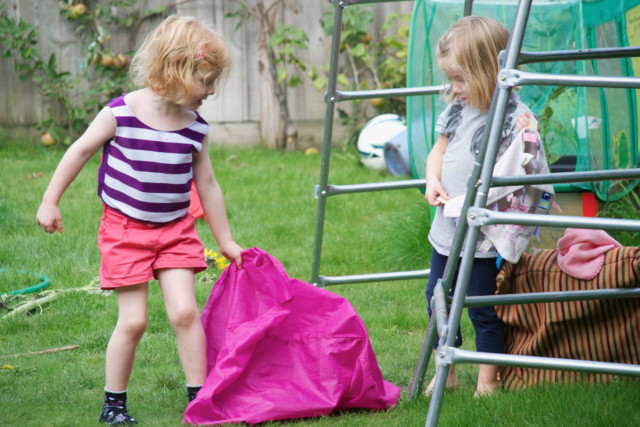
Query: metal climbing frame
{"points": [[323, 190], [446, 320], [447, 311]]}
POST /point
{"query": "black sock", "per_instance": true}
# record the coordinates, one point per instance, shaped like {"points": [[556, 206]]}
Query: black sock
{"points": [[192, 391], [114, 409], [115, 399]]}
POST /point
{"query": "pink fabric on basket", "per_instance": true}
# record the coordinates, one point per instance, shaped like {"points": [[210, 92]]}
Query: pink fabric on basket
{"points": [[279, 348], [581, 252]]}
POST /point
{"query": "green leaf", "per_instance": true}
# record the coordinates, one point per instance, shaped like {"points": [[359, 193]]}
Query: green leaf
{"points": [[281, 74], [295, 81], [320, 83], [343, 80]]}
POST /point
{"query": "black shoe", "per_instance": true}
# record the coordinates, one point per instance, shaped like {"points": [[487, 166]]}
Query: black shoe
{"points": [[116, 416], [192, 392]]}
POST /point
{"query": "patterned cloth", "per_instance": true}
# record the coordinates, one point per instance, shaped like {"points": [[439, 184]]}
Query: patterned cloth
{"points": [[599, 330]]}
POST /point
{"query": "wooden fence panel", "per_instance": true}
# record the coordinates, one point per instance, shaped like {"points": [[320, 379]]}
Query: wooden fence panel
{"points": [[236, 106]]}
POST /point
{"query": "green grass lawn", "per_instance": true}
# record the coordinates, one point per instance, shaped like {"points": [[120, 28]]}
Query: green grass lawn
{"points": [[270, 202]]}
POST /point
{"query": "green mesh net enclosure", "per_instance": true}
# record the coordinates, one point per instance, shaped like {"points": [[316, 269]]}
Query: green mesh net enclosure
{"points": [[583, 128]]}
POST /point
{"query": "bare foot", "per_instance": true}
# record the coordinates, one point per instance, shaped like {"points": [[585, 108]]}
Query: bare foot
{"points": [[452, 383], [486, 389], [488, 380]]}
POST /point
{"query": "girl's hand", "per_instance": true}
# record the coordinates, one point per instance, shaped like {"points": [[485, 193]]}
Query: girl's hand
{"points": [[523, 121], [232, 252], [49, 218], [526, 120], [435, 194]]}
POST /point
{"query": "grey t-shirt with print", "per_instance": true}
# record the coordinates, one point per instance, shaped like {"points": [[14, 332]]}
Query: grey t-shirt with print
{"points": [[464, 127]]}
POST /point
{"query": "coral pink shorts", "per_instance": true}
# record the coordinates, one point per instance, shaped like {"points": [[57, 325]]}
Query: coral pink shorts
{"points": [[131, 250]]}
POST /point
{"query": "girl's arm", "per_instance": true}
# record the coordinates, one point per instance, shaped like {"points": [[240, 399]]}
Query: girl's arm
{"points": [[101, 129], [212, 202], [434, 192]]}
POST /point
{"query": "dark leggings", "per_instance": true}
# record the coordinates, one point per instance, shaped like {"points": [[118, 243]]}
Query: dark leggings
{"points": [[489, 328]]}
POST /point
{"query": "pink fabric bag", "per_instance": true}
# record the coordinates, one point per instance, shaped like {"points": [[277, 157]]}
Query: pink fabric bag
{"points": [[279, 348], [581, 252]]}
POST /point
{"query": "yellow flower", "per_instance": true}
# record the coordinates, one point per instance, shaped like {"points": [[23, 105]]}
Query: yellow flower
{"points": [[210, 253], [211, 257], [8, 367], [221, 262]]}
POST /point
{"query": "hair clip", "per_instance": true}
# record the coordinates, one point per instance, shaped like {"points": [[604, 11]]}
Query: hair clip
{"points": [[200, 52]]}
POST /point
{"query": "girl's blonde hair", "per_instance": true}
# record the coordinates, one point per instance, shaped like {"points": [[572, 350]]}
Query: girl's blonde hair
{"points": [[469, 51], [173, 52]]}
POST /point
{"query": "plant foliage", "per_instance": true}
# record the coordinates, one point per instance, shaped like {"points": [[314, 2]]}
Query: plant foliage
{"points": [[94, 22]]}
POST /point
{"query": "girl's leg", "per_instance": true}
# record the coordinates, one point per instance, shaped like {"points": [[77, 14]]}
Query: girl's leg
{"points": [[132, 322], [178, 292], [489, 328], [487, 380]]}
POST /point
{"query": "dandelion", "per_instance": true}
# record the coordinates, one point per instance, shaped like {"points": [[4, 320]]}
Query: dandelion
{"points": [[8, 367], [221, 262], [215, 259], [210, 253]]}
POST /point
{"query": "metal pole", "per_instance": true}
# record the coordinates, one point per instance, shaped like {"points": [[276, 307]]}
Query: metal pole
{"points": [[465, 356], [327, 140], [468, 5], [479, 217]]}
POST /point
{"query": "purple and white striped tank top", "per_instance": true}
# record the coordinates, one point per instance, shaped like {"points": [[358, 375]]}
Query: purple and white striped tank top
{"points": [[146, 174]]}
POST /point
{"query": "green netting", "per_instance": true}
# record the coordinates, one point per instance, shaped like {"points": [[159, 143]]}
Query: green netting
{"points": [[583, 128]]}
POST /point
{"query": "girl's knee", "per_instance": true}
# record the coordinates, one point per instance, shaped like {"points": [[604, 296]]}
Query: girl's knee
{"points": [[183, 317], [133, 327]]}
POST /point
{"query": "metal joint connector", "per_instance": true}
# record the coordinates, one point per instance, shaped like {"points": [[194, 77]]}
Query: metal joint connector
{"points": [[317, 193], [508, 78], [477, 217]]}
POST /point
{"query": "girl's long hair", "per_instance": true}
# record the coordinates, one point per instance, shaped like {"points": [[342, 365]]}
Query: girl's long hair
{"points": [[469, 50]]}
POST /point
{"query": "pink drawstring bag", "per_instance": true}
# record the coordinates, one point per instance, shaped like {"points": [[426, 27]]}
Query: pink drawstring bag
{"points": [[279, 348], [581, 252]]}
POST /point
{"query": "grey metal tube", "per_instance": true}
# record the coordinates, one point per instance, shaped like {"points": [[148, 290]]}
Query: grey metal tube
{"points": [[566, 177], [468, 5], [334, 190], [578, 54], [386, 93], [372, 277], [439, 309], [559, 296], [512, 78], [326, 142], [479, 217], [496, 181], [466, 356], [423, 360], [351, 2]]}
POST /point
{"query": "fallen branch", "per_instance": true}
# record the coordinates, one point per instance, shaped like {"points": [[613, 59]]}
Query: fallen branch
{"points": [[36, 303], [51, 350], [50, 295]]}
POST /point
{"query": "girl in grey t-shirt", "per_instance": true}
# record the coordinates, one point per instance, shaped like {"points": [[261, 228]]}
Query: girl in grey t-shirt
{"points": [[468, 55]]}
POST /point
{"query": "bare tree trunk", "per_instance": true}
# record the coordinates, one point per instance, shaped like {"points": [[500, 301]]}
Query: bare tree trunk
{"points": [[268, 112], [276, 127]]}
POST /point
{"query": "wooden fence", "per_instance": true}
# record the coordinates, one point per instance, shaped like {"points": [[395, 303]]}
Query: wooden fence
{"points": [[234, 111]]}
